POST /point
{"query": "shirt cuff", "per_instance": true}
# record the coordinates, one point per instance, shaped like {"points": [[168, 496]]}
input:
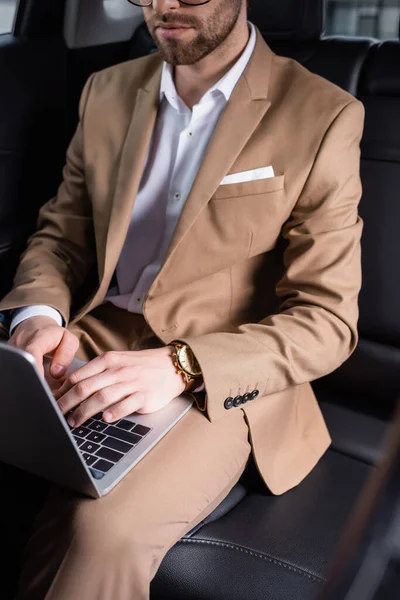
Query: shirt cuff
{"points": [[201, 388], [39, 310]]}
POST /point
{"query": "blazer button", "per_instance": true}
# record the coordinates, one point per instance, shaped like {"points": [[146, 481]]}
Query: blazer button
{"points": [[246, 398], [238, 401], [254, 394], [228, 403]]}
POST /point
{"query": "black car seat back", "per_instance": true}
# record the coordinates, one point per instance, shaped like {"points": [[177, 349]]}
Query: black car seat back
{"points": [[366, 387]]}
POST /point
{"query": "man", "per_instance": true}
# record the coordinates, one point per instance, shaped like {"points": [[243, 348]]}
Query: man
{"points": [[209, 201]]}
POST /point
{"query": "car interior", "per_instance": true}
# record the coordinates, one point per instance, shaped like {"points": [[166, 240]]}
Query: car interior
{"points": [[255, 545]]}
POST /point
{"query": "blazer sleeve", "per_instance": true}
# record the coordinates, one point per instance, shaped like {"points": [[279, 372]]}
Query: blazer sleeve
{"points": [[315, 329], [61, 252]]}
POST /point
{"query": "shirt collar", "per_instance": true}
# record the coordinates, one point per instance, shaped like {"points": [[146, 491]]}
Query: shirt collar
{"points": [[225, 85]]}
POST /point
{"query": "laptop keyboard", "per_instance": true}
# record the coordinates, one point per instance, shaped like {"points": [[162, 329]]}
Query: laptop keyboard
{"points": [[103, 446]]}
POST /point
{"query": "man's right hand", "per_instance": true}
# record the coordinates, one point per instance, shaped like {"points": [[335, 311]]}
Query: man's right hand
{"points": [[41, 336]]}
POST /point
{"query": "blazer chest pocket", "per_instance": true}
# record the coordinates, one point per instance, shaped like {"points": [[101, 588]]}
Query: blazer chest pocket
{"points": [[253, 212], [250, 188]]}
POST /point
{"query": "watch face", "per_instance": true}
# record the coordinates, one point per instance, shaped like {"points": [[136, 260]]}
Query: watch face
{"points": [[189, 362]]}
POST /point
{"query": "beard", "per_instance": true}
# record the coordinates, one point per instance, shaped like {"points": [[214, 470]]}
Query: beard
{"points": [[211, 33]]}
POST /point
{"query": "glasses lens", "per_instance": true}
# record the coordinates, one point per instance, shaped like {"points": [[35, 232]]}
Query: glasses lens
{"points": [[148, 3]]}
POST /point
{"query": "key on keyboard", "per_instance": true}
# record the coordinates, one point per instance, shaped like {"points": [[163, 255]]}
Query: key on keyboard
{"points": [[120, 434], [103, 465], [98, 425], [89, 447], [81, 431], [96, 437], [117, 445], [79, 440], [109, 454], [124, 424], [141, 429], [89, 459]]}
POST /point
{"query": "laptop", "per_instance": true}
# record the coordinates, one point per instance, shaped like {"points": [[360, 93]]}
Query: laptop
{"points": [[91, 459]]}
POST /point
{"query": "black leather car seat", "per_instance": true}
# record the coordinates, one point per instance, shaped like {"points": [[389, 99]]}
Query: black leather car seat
{"points": [[32, 139], [367, 561], [294, 29]]}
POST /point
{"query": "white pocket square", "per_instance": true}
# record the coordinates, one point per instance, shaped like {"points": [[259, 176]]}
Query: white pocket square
{"points": [[252, 175]]}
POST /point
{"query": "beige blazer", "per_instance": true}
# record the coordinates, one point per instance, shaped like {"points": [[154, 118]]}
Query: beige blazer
{"points": [[261, 278]]}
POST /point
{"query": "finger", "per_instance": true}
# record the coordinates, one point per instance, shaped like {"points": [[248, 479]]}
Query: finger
{"points": [[84, 389], [125, 407], [54, 384], [64, 354], [38, 360], [77, 377], [100, 401], [92, 368], [70, 394], [41, 344]]}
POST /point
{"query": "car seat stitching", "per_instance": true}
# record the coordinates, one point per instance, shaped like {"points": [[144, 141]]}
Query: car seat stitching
{"points": [[275, 561]]}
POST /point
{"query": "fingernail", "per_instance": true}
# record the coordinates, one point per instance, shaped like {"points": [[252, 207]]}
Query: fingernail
{"points": [[58, 370], [107, 416], [71, 421]]}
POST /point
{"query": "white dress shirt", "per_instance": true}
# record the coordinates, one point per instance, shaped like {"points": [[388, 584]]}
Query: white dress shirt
{"points": [[179, 140]]}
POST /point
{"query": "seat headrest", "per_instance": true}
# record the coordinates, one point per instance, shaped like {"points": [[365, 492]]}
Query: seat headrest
{"points": [[381, 78], [288, 19]]}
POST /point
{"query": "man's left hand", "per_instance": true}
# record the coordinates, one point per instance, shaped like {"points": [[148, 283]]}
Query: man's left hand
{"points": [[120, 383]]}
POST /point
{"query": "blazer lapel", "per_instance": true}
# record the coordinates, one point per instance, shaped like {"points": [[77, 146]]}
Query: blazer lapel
{"points": [[244, 111], [129, 174]]}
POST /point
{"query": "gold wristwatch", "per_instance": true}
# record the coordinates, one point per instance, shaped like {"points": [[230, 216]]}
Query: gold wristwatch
{"points": [[186, 365]]}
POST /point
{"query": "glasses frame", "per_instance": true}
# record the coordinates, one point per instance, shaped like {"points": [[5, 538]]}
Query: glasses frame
{"points": [[147, 4]]}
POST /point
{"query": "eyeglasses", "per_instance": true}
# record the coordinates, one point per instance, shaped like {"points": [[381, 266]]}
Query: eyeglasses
{"points": [[145, 4]]}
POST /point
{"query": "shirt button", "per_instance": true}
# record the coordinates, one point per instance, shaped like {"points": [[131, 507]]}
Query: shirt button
{"points": [[190, 134], [177, 196], [138, 300]]}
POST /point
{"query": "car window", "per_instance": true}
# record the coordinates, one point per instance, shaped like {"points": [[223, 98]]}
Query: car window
{"points": [[8, 9], [372, 18]]}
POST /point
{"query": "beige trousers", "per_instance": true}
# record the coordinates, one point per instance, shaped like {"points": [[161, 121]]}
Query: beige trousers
{"points": [[111, 548]]}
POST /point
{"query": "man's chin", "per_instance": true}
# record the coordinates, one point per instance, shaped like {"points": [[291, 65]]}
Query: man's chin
{"points": [[177, 62], [180, 56], [175, 58], [177, 52]]}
